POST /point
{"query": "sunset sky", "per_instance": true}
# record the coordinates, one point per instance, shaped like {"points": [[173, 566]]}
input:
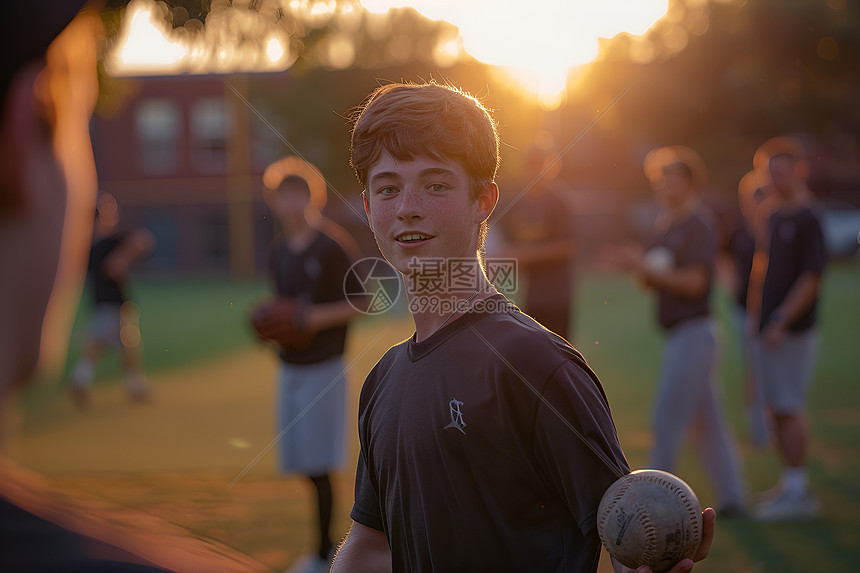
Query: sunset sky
{"points": [[537, 43]]}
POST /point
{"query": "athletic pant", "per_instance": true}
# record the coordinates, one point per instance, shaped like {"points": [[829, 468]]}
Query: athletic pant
{"points": [[687, 401]]}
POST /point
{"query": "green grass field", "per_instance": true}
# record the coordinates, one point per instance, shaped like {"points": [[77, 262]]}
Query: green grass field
{"points": [[183, 321], [196, 339]]}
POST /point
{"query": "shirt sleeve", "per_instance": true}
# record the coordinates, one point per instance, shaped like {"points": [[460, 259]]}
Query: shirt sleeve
{"points": [[365, 509], [575, 442], [335, 268]]}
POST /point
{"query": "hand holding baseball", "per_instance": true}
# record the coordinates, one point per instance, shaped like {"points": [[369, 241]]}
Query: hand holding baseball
{"points": [[650, 520], [708, 527]]}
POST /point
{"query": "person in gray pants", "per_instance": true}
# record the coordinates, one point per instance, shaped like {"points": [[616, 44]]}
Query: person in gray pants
{"points": [[679, 266]]}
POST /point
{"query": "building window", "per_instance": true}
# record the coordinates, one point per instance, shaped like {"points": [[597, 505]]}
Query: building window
{"points": [[216, 240], [267, 145], [209, 128], [165, 228], [157, 126]]}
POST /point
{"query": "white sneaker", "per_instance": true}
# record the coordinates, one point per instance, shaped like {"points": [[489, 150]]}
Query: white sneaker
{"points": [[788, 506]]}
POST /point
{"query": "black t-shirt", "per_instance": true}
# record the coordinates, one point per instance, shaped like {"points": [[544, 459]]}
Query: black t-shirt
{"points": [[692, 242], [741, 248], [315, 275], [105, 288], [30, 544], [471, 457], [796, 247]]}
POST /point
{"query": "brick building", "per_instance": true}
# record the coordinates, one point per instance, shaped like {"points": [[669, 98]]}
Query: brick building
{"points": [[184, 159]]}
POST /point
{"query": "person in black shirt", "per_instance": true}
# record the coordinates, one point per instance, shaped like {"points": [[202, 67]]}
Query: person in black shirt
{"points": [[538, 232], [679, 268], [784, 288], [308, 323], [486, 441], [115, 317]]}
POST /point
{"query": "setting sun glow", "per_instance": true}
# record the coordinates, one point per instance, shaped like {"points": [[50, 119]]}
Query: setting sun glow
{"points": [[144, 46], [147, 46], [536, 43]]}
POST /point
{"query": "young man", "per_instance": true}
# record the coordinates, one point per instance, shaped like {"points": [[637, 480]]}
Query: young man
{"points": [[784, 286], [115, 317], [679, 268], [486, 441], [308, 323]]}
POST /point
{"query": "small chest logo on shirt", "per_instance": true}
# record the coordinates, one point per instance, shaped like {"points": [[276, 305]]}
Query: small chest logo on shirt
{"points": [[456, 416]]}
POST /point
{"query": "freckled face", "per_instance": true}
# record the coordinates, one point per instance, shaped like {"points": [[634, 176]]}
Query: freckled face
{"points": [[422, 208]]}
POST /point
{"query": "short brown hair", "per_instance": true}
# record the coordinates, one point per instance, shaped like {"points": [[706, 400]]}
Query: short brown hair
{"points": [[678, 158], [784, 147], [439, 121]]}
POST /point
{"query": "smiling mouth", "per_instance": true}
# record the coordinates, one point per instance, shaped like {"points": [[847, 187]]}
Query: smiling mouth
{"points": [[412, 237]]}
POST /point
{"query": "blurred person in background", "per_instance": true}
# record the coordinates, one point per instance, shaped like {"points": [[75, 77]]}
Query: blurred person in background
{"points": [[739, 248], [679, 267], [789, 261], [47, 198], [307, 322], [537, 230], [115, 318]]}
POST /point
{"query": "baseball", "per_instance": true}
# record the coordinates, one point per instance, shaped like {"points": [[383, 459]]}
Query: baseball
{"points": [[650, 517], [659, 259]]}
